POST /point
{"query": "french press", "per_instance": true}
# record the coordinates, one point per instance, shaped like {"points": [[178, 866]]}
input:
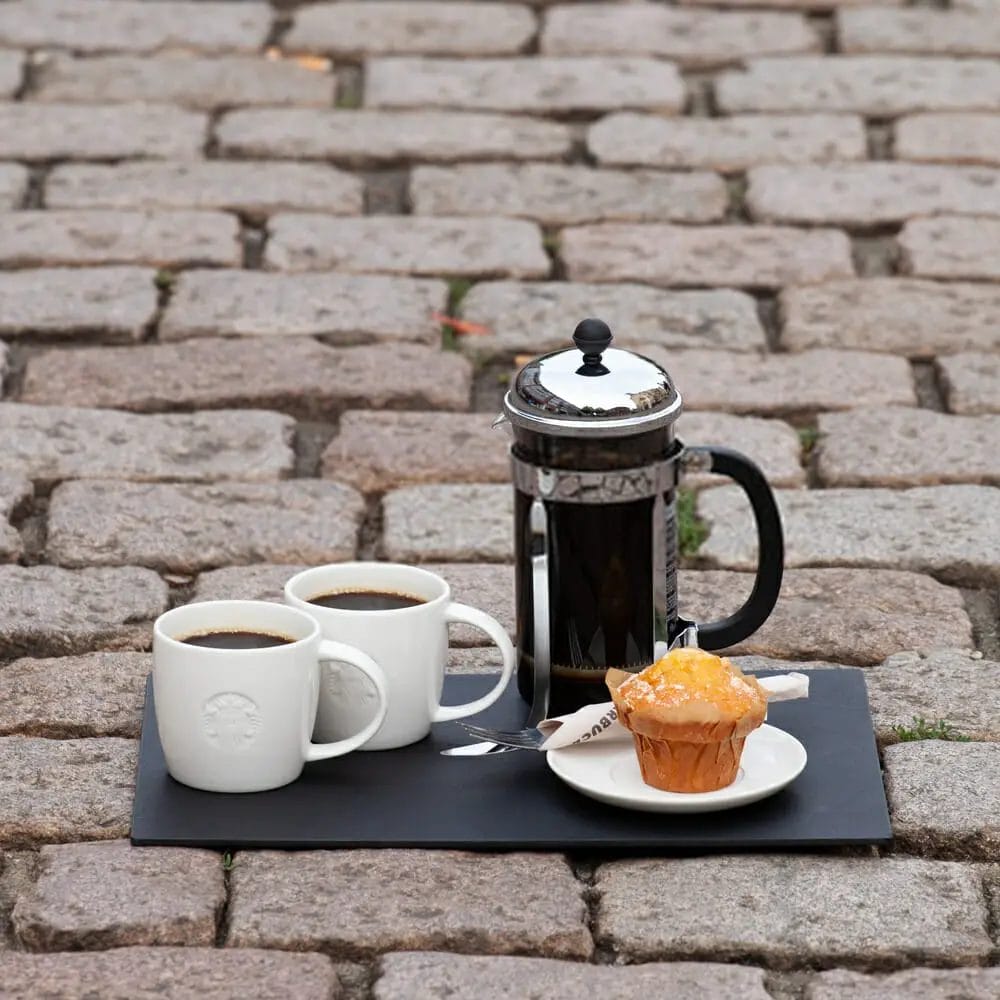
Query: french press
{"points": [[595, 465]]}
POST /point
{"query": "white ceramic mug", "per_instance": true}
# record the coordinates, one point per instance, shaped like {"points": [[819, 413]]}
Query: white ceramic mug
{"points": [[410, 644], [240, 720]]}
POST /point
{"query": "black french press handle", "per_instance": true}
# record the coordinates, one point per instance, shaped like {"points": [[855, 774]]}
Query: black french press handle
{"points": [[770, 551]]}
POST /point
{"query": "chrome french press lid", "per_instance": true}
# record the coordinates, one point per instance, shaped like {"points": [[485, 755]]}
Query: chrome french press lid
{"points": [[592, 390]]}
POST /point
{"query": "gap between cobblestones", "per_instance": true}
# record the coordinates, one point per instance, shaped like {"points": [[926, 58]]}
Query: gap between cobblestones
{"points": [[875, 253], [879, 132], [280, 24], [37, 176], [350, 76], [983, 608], [253, 237], [822, 22], [925, 381]]}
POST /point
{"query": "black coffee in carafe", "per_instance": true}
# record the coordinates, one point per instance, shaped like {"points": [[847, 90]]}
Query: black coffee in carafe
{"points": [[596, 465]]}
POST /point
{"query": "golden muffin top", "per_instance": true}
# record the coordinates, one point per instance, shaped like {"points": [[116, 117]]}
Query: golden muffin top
{"points": [[694, 684]]}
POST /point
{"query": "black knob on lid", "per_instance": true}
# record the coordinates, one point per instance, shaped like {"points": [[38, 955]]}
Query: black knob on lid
{"points": [[593, 337]]}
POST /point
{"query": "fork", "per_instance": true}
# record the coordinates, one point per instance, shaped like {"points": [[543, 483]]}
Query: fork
{"points": [[521, 739]]}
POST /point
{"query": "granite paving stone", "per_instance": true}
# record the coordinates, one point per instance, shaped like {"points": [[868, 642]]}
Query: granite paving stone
{"points": [[473, 659], [943, 683], [970, 382], [13, 185], [862, 195], [934, 32], [502, 248], [427, 27], [449, 522], [132, 26], [391, 900], [430, 975], [298, 376], [41, 132], [536, 84], [357, 137], [93, 694], [891, 446], [17, 873], [257, 582], [487, 586], [751, 256], [183, 528], [906, 316], [772, 444], [51, 443], [694, 39], [876, 912], [845, 615], [952, 532], [200, 82], [252, 188], [48, 611], [776, 384], [726, 144], [531, 318], [808, 5], [952, 246], [112, 895], [64, 790], [153, 973], [11, 72], [974, 4], [163, 239], [106, 303], [876, 86], [928, 984], [376, 451], [945, 798], [15, 492], [341, 308], [948, 138], [567, 195]]}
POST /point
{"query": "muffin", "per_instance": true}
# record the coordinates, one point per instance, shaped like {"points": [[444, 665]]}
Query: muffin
{"points": [[689, 715]]}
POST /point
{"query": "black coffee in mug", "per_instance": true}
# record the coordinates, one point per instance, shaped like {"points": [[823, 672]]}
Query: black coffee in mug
{"points": [[236, 639], [367, 600]]}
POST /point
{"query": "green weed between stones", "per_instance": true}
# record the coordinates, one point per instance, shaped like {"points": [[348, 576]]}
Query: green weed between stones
{"points": [[458, 288], [227, 861], [921, 729], [164, 280], [348, 99], [808, 437], [691, 530], [551, 242]]}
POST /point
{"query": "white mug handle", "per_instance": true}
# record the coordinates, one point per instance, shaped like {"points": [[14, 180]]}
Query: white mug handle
{"points": [[479, 619], [330, 650]]}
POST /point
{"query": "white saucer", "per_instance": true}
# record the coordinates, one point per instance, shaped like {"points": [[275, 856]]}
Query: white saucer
{"points": [[609, 772]]}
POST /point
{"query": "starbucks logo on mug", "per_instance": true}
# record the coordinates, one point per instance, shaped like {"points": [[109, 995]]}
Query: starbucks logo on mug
{"points": [[346, 685], [230, 720]]}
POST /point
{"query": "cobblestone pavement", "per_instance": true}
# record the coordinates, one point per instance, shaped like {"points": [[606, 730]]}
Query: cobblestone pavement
{"points": [[227, 234]]}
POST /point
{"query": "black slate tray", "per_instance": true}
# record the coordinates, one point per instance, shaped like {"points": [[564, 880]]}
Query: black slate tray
{"points": [[414, 797]]}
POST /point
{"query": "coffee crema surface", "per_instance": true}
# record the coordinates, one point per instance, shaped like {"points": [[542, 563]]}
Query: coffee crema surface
{"points": [[236, 639], [366, 600]]}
